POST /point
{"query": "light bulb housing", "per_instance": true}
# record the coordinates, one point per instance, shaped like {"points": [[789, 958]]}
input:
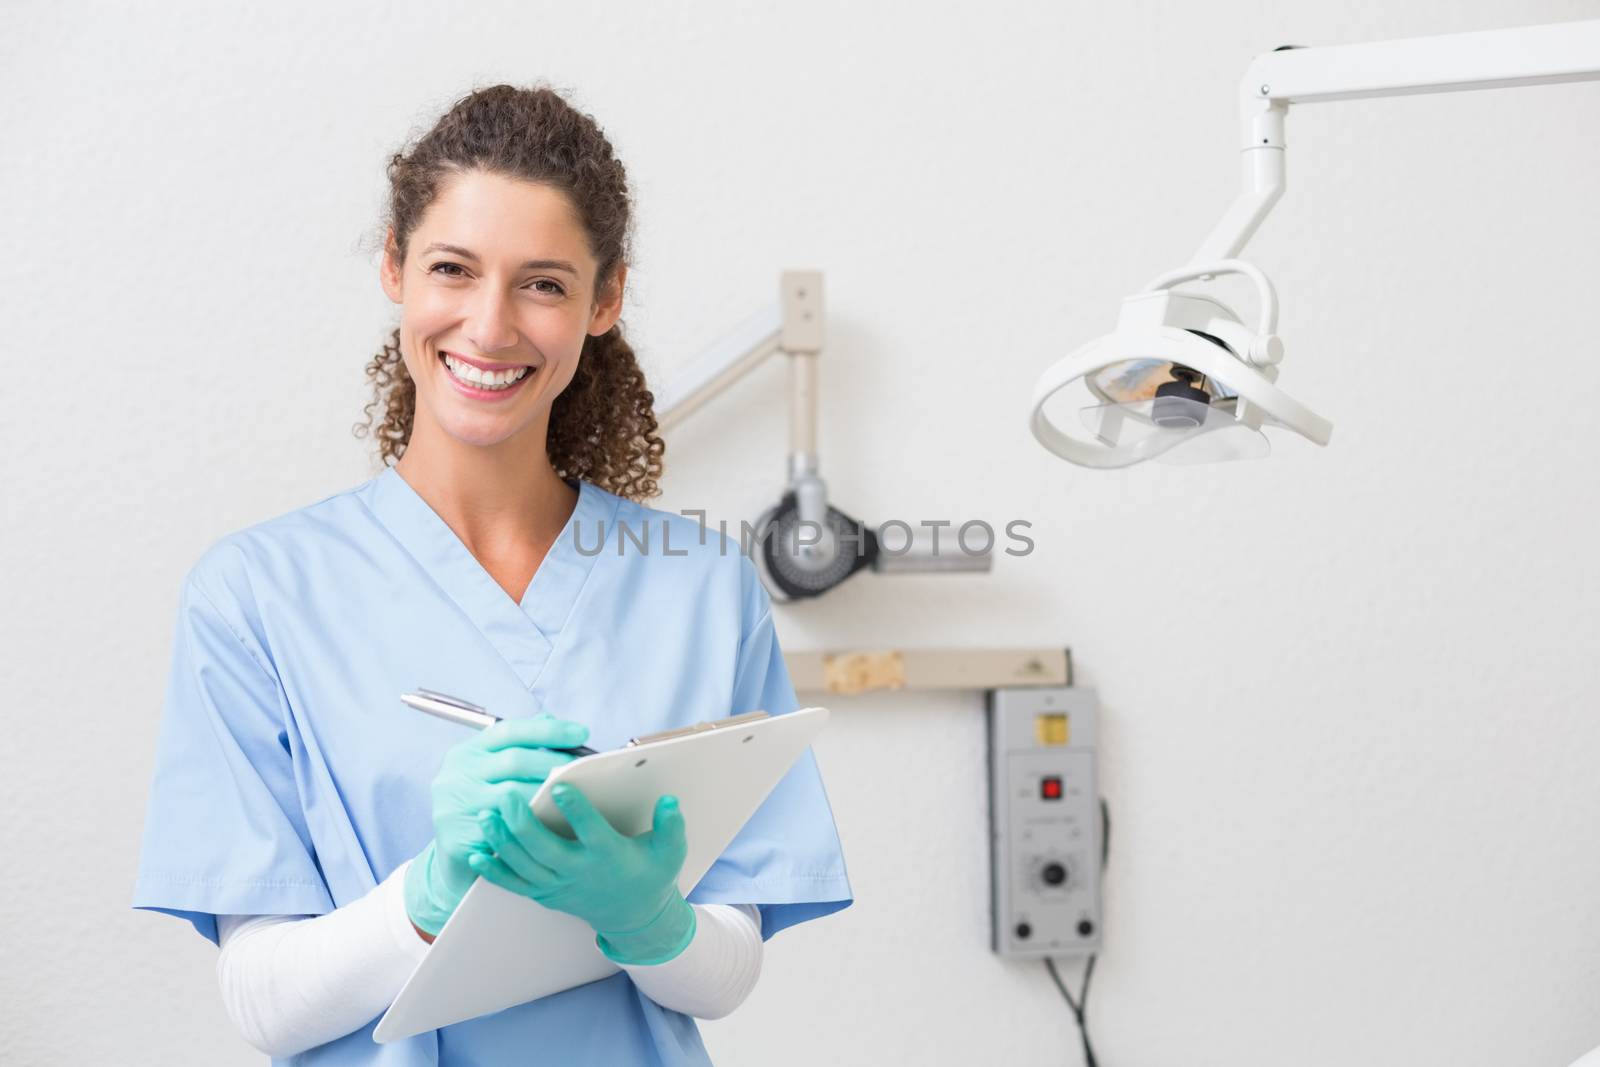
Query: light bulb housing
{"points": [[1186, 330]]}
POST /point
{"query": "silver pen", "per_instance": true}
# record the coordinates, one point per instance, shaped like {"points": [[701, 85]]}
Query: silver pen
{"points": [[454, 709], [469, 714]]}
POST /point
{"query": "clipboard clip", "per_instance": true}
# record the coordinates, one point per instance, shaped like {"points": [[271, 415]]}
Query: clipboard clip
{"points": [[699, 728]]}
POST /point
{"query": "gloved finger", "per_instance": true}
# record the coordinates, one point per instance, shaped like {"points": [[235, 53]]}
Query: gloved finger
{"points": [[588, 824], [668, 835], [476, 796], [519, 764], [460, 847], [543, 730], [514, 856], [493, 869], [538, 840]]}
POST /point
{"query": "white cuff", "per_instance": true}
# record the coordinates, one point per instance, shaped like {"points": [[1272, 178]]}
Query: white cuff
{"points": [[291, 982], [714, 974]]}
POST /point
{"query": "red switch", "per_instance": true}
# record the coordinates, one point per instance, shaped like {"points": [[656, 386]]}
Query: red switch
{"points": [[1050, 788]]}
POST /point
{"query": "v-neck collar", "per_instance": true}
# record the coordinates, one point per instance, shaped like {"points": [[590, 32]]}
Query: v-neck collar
{"points": [[523, 633]]}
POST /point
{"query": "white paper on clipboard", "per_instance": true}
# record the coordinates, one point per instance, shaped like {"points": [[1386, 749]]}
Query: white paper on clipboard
{"points": [[500, 949]]}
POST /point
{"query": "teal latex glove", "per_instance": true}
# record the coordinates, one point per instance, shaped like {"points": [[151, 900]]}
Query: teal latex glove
{"points": [[510, 759], [626, 888]]}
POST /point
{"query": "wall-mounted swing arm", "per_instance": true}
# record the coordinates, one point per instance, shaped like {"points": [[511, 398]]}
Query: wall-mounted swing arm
{"points": [[804, 547]]}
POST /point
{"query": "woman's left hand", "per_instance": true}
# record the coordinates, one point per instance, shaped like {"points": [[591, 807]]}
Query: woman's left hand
{"points": [[624, 887]]}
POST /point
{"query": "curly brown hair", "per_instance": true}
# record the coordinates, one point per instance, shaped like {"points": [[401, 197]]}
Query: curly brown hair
{"points": [[603, 425]]}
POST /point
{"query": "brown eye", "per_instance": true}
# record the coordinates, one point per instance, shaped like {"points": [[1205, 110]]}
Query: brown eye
{"points": [[437, 266]]}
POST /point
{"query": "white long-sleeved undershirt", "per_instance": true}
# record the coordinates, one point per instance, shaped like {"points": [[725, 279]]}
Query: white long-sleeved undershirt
{"points": [[293, 982]]}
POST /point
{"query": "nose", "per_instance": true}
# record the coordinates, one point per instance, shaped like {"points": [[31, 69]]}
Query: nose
{"points": [[492, 325]]}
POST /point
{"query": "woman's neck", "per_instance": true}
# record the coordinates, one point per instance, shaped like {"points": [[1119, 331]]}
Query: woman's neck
{"points": [[501, 501]]}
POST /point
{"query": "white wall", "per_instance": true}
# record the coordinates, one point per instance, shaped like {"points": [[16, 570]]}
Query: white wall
{"points": [[1349, 720]]}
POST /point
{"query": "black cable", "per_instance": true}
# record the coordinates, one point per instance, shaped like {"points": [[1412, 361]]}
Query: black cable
{"points": [[1077, 1006], [1105, 834], [1081, 1005]]}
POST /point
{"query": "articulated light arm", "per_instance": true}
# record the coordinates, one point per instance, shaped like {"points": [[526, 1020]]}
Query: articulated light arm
{"points": [[805, 546], [718, 367], [793, 325], [1223, 375], [1488, 59]]}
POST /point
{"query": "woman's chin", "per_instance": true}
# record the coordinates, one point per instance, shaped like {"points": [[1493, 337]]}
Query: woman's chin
{"points": [[478, 435], [483, 430]]}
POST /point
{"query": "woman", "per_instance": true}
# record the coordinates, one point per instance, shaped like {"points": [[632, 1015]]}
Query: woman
{"points": [[321, 832]]}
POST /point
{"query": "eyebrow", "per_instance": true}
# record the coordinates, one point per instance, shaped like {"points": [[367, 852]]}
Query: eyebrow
{"points": [[532, 264]]}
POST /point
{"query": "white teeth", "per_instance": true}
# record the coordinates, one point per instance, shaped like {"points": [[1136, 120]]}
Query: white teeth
{"points": [[482, 379]]}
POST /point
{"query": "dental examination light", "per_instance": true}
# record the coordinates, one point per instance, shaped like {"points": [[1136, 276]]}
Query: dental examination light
{"points": [[804, 547], [1185, 379]]}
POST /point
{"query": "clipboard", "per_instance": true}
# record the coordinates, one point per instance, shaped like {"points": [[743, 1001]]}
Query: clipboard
{"points": [[500, 949]]}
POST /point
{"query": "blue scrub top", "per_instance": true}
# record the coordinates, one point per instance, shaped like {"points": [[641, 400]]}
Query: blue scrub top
{"points": [[289, 779]]}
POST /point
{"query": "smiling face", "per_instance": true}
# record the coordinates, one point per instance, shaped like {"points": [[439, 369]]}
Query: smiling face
{"points": [[497, 293]]}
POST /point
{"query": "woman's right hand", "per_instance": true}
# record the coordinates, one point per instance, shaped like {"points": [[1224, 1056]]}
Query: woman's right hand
{"points": [[512, 757]]}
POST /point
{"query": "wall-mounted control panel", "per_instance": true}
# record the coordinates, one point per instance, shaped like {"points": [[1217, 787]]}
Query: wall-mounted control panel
{"points": [[1044, 822]]}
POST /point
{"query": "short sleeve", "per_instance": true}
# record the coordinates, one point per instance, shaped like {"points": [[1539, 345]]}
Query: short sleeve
{"points": [[787, 859], [224, 833]]}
